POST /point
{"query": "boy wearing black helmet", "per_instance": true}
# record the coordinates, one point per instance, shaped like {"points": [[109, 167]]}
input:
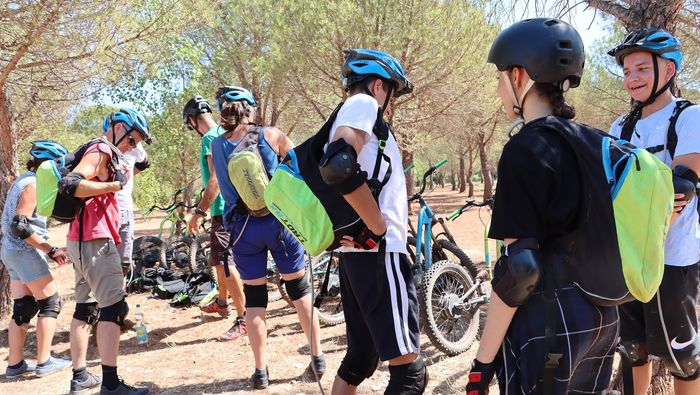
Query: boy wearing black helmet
{"points": [[376, 281], [551, 339], [25, 250], [197, 116], [667, 127]]}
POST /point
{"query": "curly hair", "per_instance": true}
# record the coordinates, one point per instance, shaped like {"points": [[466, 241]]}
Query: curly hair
{"points": [[235, 113]]}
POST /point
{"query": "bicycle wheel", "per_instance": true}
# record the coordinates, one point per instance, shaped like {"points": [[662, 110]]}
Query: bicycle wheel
{"points": [[176, 253], [201, 252], [146, 252], [450, 326], [450, 252], [331, 310]]}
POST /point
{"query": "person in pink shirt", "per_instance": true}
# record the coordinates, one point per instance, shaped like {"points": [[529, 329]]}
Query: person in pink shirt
{"points": [[93, 238]]}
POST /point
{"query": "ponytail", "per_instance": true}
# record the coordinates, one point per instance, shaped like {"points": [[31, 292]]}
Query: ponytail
{"points": [[560, 108], [235, 113]]}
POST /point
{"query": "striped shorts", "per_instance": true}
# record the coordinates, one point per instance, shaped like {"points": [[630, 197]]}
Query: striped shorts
{"points": [[380, 304], [586, 336]]}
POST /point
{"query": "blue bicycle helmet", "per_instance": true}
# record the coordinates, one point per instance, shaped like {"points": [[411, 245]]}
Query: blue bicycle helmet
{"points": [[654, 40], [231, 93], [361, 63], [133, 119], [47, 149]]}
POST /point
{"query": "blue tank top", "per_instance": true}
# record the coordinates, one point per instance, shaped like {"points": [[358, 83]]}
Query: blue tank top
{"points": [[37, 222], [221, 148]]}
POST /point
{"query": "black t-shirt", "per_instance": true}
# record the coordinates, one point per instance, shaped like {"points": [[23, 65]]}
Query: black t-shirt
{"points": [[539, 187]]}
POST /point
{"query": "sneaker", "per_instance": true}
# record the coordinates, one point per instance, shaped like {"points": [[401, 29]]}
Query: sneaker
{"points": [[237, 330], [260, 379], [52, 366], [124, 389], [82, 387], [319, 363], [214, 307], [24, 368]]}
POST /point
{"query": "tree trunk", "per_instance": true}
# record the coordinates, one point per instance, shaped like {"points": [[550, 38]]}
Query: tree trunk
{"points": [[452, 178], [407, 160], [470, 174], [8, 173], [485, 168], [462, 179]]}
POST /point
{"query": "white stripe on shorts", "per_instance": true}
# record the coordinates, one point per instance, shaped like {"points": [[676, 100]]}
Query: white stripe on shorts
{"points": [[393, 275]]}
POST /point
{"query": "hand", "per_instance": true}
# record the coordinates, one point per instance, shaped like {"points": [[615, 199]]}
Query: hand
{"points": [[365, 239], [120, 177], [480, 377], [57, 255], [193, 224], [679, 202]]}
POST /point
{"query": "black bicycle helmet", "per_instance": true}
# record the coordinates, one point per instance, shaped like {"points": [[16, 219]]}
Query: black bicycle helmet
{"points": [[550, 50], [195, 106]]}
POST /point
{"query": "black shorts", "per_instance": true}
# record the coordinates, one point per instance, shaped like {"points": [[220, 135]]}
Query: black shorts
{"points": [[668, 323], [219, 241], [380, 305], [586, 336]]}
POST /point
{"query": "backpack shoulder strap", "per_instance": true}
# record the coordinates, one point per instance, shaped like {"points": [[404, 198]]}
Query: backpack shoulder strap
{"points": [[671, 135]]}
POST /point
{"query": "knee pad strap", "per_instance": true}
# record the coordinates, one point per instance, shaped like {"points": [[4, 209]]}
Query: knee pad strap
{"points": [[114, 313], [635, 352], [255, 295], [86, 312], [24, 309], [297, 288], [51, 306]]}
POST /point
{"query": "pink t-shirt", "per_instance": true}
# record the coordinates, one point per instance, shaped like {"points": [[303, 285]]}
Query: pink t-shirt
{"points": [[101, 213]]}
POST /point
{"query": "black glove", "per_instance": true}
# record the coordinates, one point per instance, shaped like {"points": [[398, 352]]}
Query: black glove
{"points": [[120, 175], [143, 165], [480, 377], [57, 255], [366, 239]]}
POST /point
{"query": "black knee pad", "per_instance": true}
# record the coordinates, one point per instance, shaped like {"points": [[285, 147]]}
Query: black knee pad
{"points": [[51, 306], [354, 369], [408, 379], [86, 312], [635, 352], [24, 309], [115, 313], [297, 288], [689, 368], [255, 295]]}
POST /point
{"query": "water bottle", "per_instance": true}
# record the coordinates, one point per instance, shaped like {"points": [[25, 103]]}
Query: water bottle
{"points": [[140, 327]]}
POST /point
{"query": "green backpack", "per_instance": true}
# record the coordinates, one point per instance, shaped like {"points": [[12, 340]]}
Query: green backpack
{"points": [[616, 253], [247, 172]]}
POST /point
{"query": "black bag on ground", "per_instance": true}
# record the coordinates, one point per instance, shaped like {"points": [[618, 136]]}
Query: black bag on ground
{"points": [[197, 286], [169, 283]]}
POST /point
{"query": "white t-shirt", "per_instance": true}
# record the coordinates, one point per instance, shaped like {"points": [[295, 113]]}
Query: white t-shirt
{"points": [[681, 247], [124, 198], [360, 112]]}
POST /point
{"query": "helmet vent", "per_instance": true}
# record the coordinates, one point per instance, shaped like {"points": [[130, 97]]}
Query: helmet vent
{"points": [[565, 44], [551, 22], [564, 61]]}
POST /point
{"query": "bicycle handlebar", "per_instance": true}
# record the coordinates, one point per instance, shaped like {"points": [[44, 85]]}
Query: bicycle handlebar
{"points": [[470, 203], [176, 203], [427, 174]]}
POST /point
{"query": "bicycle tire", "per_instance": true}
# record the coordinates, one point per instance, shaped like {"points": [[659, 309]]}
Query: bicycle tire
{"points": [[145, 243], [444, 322], [201, 252], [462, 256], [331, 310], [174, 244]]}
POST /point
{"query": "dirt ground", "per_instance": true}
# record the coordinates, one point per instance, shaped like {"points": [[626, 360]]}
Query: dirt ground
{"points": [[184, 357]]}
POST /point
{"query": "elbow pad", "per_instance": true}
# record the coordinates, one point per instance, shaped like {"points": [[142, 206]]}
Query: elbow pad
{"points": [[68, 185], [143, 165], [517, 274], [684, 181], [20, 227], [339, 168]]}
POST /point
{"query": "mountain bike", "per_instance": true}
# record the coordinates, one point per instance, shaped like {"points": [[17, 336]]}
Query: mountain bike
{"points": [[451, 289], [326, 279]]}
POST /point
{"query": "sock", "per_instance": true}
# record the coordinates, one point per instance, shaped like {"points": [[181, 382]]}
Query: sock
{"points": [[109, 377], [320, 363], [17, 366], [222, 303], [48, 360], [80, 374]]}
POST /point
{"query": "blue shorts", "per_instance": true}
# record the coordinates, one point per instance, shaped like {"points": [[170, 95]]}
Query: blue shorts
{"points": [[25, 265], [260, 235]]}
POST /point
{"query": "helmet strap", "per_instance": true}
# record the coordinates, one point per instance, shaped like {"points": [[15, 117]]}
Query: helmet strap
{"points": [[517, 102]]}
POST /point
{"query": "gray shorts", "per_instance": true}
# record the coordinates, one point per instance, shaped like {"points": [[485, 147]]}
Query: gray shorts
{"points": [[126, 233], [25, 265], [99, 277]]}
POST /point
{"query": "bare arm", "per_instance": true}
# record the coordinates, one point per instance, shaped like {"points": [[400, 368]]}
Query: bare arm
{"points": [[691, 161], [278, 141], [361, 199], [498, 320], [93, 165], [211, 191], [26, 206]]}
